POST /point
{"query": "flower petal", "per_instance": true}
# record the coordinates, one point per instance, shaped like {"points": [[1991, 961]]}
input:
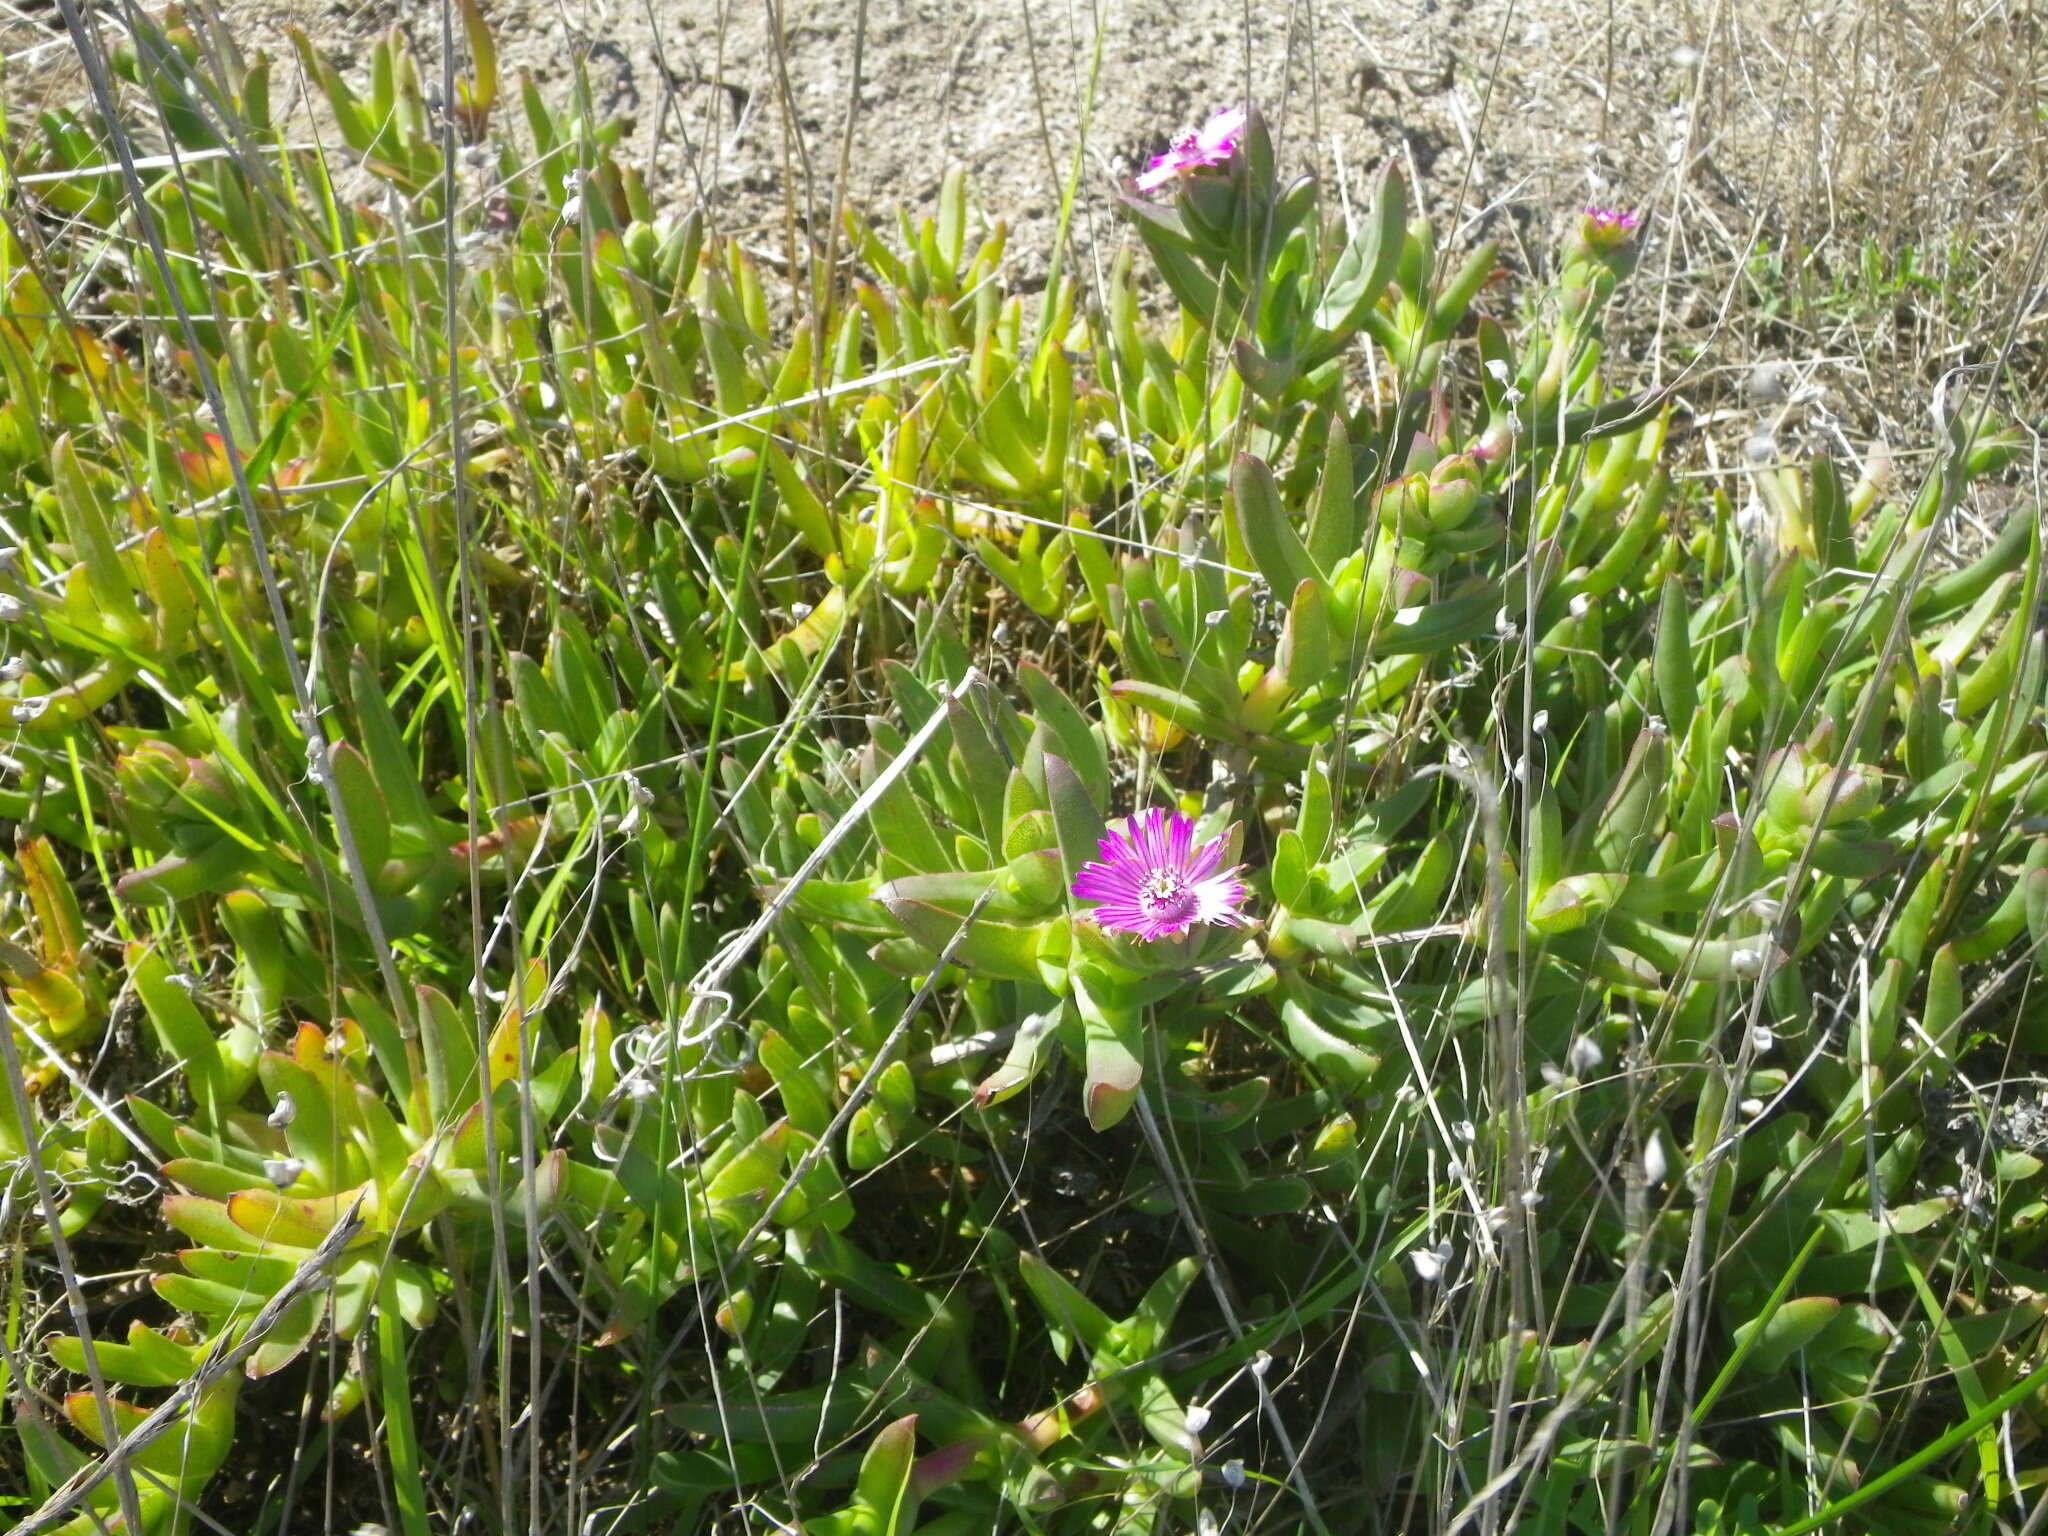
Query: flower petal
{"points": [[1146, 838], [1123, 919], [1156, 175], [1218, 898], [1219, 134], [1108, 882]]}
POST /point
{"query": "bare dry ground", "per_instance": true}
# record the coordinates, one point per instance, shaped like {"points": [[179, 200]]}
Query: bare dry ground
{"points": [[1846, 199]]}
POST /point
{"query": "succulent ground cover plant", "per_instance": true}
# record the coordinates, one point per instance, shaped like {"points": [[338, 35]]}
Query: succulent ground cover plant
{"points": [[649, 896]]}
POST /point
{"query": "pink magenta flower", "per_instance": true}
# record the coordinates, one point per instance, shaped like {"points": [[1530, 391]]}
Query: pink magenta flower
{"points": [[1152, 882], [1211, 144]]}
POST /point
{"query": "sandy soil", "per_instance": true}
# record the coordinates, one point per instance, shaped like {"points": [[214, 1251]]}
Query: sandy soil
{"points": [[1532, 104], [1005, 87], [1739, 126]]}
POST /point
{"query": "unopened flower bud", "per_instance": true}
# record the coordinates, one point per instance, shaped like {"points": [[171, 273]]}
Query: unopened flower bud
{"points": [[1606, 231], [1403, 506], [1787, 775], [1854, 796], [1498, 438], [1453, 492]]}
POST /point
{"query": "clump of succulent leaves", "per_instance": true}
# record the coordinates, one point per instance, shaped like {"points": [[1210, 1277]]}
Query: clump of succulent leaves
{"points": [[586, 756]]}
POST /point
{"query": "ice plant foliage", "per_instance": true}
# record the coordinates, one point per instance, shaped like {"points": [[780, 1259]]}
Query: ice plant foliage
{"points": [[1736, 808], [1211, 144], [1152, 882]]}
